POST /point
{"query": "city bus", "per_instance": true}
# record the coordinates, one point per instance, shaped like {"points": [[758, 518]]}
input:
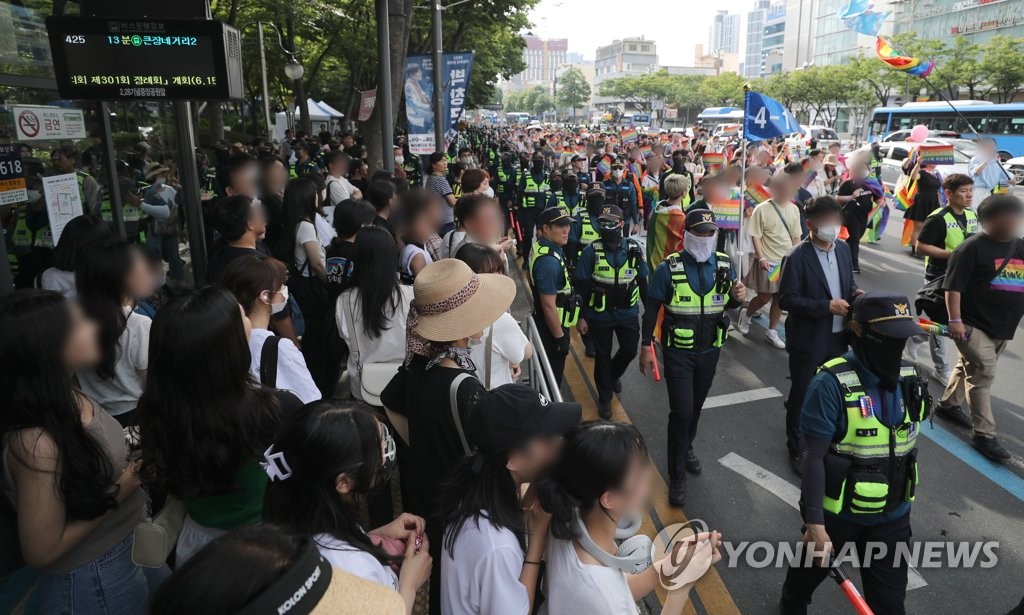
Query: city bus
{"points": [[1002, 122], [517, 118], [713, 116]]}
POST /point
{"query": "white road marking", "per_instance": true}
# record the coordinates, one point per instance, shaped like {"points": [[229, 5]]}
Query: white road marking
{"points": [[790, 494], [742, 397]]}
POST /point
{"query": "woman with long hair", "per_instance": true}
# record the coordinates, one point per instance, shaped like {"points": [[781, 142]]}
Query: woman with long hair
{"points": [[80, 232], [112, 276], [336, 457], [258, 284], [299, 245], [487, 563], [597, 492], [65, 464], [378, 304], [204, 423]]}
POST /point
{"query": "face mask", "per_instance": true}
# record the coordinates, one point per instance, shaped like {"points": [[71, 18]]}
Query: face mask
{"points": [[700, 248], [611, 238], [489, 193], [476, 342], [881, 354], [399, 160], [617, 174], [556, 184], [569, 187], [538, 166], [599, 151], [277, 308], [158, 182], [466, 159], [827, 233]]}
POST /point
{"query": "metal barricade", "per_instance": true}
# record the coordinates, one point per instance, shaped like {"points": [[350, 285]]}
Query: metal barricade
{"points": [[542, 379]]}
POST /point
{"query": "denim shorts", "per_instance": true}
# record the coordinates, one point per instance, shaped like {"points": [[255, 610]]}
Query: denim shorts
{"points": [[109, 585]]}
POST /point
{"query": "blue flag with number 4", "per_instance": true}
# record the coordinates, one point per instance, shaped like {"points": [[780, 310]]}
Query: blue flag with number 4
{"points": [[766, 118]]}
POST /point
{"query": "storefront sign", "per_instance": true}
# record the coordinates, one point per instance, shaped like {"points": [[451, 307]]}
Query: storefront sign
{"points": [[964, 5], [12, 175], [39, 123], [112, 59], [63, 201]]}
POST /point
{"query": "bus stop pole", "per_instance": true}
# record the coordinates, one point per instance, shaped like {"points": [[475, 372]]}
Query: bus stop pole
{"points": [[189, 177], [384, 107], [6, 279], [114, 181]]}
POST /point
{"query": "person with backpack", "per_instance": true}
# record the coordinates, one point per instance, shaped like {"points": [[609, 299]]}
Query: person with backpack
{"points": [[258, 283], [339, 188]]}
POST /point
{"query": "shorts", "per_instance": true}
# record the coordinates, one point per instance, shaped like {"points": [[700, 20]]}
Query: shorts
{"points": [[758, 280]]}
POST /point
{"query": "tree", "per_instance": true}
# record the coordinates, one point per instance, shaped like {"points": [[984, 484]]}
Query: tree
{"points": [[879, 79], [1003, 66], [958, 67], [573, 89], [640, 90], [723, 90]]}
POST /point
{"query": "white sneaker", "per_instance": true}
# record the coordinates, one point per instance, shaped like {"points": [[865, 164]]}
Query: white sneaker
{"points": [[743, 324], [772, 337]]}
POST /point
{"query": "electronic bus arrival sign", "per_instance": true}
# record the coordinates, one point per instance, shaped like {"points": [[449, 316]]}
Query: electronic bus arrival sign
{"points": [[113, 58]]}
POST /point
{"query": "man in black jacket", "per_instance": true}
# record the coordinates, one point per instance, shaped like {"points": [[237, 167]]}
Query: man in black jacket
{"points": [[816, 288]]}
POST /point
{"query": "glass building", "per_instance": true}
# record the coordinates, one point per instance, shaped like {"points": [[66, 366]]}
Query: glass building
{"points": [[978, 20]]}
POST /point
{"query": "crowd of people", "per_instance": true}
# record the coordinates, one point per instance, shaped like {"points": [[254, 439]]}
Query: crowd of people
{"points": [[227, 448]]}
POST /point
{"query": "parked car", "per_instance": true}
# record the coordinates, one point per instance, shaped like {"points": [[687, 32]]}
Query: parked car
{"points": [[893, 154], [1015, 166], [904, 135]]}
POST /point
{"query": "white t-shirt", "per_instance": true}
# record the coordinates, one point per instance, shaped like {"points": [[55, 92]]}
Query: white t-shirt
{"points": [[571, 586], [324, 230], [121, 393], [344, 556], [304, 234], [338, 189], [388, 348], [408, 253], [59, 281], [292, 373], [509, 347], [452, 241], [483, 576]]}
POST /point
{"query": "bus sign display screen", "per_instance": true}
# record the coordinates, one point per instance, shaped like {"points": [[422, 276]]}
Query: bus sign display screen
{"points": [[112, 59]]}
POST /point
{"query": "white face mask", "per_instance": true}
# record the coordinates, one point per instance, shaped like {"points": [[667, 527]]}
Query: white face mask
{"points": [[599, 151], [617, 174], [700, 248], [277, 308], [489, 193], [399, 160], [827, 233]]}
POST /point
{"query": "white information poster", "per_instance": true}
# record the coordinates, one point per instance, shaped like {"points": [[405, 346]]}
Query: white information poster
{"points": [[63, 201]]}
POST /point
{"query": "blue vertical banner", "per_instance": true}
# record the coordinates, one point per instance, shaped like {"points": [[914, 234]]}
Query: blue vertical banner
{"points": [[765, 118], [419, 89]]}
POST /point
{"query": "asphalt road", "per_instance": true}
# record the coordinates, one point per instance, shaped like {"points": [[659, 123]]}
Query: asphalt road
{"points": [[748, 491]]}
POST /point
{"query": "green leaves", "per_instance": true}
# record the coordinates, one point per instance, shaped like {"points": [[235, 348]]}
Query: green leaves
{"points": [[573, 89]]}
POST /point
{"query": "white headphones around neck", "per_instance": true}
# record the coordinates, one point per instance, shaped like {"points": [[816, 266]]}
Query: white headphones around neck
{"points": [[634, 553]]}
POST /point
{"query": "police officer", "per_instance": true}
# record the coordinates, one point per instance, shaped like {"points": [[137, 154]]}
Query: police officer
{"points": [[568, 196], [859, 422], [556, 308], [579, 168], [532, 194], [695, 286], [304, 162], [585, 231], [611, 278], [555, 195], [622, 193]]}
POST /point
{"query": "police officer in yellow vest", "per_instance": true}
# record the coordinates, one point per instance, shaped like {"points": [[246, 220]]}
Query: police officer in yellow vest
{"points": [[611, 277], [944, 230], [532, 195], [859, 422], [695, 286], [556, 308], [585, 231]]}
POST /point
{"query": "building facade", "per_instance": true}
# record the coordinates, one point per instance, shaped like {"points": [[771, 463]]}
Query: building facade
{"points": [[543, 58], [622, 58], [725, 33], [773, 39], [799, 32], [978, 20], [755, 35]]}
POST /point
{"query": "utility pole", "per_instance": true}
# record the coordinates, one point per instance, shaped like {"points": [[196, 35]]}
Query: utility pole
{"points": [[263, 76], [439, 120], [384, 110]]}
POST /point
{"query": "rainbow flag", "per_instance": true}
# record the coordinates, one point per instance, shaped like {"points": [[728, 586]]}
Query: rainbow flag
{"points": [[755, 195], [731, 131], [727, 214], [936, 154], [775, 273], [646, 150], [1011, 279], [713, 160], [664, 234], [877, 222], [604, 165], [780, 161], [634, 168], [904, 197], [897, 61], [629, 135]]}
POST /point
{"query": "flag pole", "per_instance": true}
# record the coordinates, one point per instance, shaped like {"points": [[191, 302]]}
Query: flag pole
{"points": [[966, 121], [743, 182]]}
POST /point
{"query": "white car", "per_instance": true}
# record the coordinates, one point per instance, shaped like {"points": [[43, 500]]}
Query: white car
{"points": [[893, 154], [1015, 166], [904, 135]]}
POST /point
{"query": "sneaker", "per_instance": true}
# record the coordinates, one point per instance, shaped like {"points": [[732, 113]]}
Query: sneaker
{"points": [[955, 415], [772, 337], [677, 492], [743, 324], [990, 447], [692, 463]]}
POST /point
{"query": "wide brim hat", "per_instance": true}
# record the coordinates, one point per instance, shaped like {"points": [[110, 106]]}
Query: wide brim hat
{"points": [[453, 303], [351, 595], [153, 169]]}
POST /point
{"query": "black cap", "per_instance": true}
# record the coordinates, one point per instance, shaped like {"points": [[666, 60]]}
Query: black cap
{"points": [[887, 313], [577, 158], [554, 215], [597, 192], [509, 416], [610, 212], [700, 220]]}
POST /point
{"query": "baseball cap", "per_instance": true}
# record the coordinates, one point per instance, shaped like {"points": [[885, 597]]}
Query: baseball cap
{"points": [[509, 416], [554, 215], [610, 212], [700, 220], [887, 313], [577, 158], [596, 192]]}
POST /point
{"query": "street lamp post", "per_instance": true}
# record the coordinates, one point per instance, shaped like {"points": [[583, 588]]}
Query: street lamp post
{"points": [[293, 70], [387, 123], [438, 97]]}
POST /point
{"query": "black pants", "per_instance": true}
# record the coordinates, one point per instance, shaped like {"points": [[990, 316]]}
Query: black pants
{"points": [[555, 358], [527, 217], [688, 376], [608, 368], [856, 227], [884, 583], [802, 367]]}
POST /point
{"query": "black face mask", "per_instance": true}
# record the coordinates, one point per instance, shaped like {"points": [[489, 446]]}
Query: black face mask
{"points": [[569, 187], [556, 184], [594, 205], [882, 355], [611, 239], [679, 166], [538, 166]]}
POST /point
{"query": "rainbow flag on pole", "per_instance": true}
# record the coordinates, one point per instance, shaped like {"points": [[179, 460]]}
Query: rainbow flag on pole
{"points": [[755, 195], [727, 214], [775, 273], [604, 165], [646, 150]]}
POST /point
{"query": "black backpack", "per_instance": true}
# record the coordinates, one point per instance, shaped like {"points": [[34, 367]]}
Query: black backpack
{"points": [[268, 362]]}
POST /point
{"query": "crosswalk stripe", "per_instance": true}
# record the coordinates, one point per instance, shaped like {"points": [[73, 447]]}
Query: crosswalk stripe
{"points": [[741, 397]]}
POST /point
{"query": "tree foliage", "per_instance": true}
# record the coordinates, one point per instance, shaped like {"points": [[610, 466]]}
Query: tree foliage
{"points": [[535, 101], [573, 89]]}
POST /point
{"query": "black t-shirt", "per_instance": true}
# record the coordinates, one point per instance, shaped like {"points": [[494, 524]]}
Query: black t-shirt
{"points": [[933, 233], [994, 304], [384, 224], [340, 265], [859, 209], [422, 397], [220, 259]]}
